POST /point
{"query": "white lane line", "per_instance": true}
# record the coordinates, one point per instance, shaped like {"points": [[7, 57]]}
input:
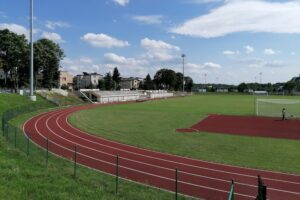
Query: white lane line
{"points": [[60, 116], [205, 187], [195, 166], [148, 150], [284, 191]]}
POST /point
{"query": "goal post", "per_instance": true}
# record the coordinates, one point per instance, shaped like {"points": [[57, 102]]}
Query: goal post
{"points": [[273, 107]]}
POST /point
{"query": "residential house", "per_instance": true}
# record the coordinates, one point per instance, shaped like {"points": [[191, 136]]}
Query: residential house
{"points": [[87, 80], [131, 83], [65, 80]]}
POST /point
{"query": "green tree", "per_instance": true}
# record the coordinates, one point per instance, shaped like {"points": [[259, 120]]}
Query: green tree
{"points": [[101, 85], [116, 78], [178, 84], [148, 83], [189, 83], [289, 86], [47, 57], [242, 87], [108, 82], [165, 79], [14, 53]]}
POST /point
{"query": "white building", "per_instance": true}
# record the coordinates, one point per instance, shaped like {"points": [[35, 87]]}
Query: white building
{"points": [[131, 83], [87, 80]]}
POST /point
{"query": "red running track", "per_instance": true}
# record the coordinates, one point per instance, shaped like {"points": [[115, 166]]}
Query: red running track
{"points": [[197, 178], [248, 125]]}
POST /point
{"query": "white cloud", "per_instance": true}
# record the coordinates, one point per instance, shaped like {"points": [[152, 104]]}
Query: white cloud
{"points": [[244, 16], [53, 25], [261, 63], [204, 1], [103, 41], [204, 66], [116, 59], [128, 66], [15, 28], [269, 52], [86, 60], [211, 65], [121, 2], [159, 50], [231, 53], [293, 53], [85, 64], [148, 19], [53, 36], [249, 49]]}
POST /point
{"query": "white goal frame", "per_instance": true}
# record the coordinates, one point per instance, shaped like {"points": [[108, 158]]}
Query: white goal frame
{"points": [[276, 102]]}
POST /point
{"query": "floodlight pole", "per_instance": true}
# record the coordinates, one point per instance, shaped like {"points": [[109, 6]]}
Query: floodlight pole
{"points": [[31, 96], [260, 76], [183, 56]]}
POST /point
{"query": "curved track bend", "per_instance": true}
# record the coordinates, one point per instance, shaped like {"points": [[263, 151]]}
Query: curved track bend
{"points": [[197, 178]]}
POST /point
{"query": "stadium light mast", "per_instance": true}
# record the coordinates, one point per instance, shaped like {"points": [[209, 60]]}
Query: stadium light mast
{"points": [[260, 77], [31, 96], [183, 56]]}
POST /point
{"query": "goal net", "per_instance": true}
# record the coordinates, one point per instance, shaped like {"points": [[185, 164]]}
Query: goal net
{"points": [[273, 107]]}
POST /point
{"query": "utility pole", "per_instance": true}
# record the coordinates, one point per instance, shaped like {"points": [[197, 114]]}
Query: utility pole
{"points": [[31, 96], [183, 56]]}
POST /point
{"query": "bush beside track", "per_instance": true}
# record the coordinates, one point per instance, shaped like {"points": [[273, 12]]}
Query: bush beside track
{"points": [[28, 177]]}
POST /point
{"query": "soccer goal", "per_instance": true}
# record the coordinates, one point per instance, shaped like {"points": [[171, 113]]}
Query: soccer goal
{"points": [[273, 107]]}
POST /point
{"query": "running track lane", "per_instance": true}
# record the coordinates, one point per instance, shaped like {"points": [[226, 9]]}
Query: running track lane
{"points": [[197, 178]]}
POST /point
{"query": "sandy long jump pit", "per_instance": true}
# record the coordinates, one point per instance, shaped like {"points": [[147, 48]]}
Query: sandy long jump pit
{"points": [[248, 125]]}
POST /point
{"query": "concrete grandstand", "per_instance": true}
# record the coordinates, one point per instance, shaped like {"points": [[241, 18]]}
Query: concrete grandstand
{"points": [[97, 96]]}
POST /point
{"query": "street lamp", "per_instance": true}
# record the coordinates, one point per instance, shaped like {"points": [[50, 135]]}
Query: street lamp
{"points": [[183, 56], [31, 96]]}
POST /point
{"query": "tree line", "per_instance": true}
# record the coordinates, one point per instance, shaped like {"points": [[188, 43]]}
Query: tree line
{"points": [[165, 79], [15, 61]]}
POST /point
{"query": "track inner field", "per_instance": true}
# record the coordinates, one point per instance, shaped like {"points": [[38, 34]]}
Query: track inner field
{"points": [[248, 125], [197, 178]]}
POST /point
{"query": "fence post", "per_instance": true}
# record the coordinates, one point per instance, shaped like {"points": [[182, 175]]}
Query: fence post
{"points": [[28, 138], [16, 129], [3, 122], [7, 131], [4, 129], [176, 183], [117, 174], [75, 160], [47, 151]]}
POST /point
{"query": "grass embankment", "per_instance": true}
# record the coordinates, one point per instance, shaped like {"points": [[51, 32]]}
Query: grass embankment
{"points": [[153, 125], [28, 177]]}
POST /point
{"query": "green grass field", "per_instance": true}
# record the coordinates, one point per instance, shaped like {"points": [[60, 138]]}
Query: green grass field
{"points": [[25, 177], [153, 125]]}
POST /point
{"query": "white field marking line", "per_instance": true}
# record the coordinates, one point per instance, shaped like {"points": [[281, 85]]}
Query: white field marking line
{"points": [[284, 191], [271, 179], [203, 161], [97, 170], [209, 188], [135, 161]]}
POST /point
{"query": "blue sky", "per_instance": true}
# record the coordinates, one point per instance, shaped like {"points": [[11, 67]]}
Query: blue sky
{"points": [[231, 41]]}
